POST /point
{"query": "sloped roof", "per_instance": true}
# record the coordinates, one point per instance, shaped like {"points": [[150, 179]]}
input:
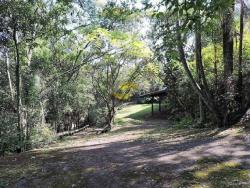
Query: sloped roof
{"points": [[161, 92]]}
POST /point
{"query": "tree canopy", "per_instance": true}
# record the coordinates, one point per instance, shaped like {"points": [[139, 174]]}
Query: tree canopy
{"points": [[67, 64]]}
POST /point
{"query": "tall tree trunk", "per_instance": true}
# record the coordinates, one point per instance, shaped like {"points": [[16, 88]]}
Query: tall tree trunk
{"points": [[29, 55], [215, 67], [18, 95], [227, 29], [9, 77], [42, 113], [208, 101], [198, 68], [240, 77], [25, 113]]}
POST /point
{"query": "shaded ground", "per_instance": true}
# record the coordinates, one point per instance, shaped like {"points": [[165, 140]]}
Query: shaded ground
{"points": [[137, 153]]}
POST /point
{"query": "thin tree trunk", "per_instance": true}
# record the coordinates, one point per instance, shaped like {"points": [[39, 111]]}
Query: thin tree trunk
{"points": [[18, 96], [113, 109], [29, 55], [205, 98], [9, 77], [42, 113], [240, 77], [215, 67], [198, 68], [27, 132]]}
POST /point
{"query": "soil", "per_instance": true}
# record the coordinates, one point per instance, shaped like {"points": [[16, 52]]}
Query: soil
{"points": [[148, 154]]}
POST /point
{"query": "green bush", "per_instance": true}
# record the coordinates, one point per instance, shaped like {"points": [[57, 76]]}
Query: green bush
{"points": [[8, 133], [185, 122], [2, 183], [42, 135]]}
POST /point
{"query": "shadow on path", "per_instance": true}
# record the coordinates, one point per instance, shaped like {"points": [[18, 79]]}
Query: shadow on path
{"points": [[120, 160]]}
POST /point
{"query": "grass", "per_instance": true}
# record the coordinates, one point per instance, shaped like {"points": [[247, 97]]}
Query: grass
{"points": [[136, 113], [173, 132], [12, 173], [140, 112], [134, 177], [213, 173], [134, 110], [133, 115]]}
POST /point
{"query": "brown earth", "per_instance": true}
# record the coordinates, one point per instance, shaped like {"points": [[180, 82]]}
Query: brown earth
{"points": [[152, 153]]}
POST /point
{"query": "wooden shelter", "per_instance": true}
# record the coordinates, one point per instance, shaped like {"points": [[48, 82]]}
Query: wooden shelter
{"points": [[160, 94]]}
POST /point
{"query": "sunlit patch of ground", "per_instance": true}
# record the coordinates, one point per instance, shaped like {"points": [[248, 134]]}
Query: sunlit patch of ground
{"points": [[213, 173]]}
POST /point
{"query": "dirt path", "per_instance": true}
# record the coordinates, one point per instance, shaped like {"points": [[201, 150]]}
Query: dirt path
{"points": [[152, 153]]}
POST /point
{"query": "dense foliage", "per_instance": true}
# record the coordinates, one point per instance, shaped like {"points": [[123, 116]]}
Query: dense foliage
{"points": [[63, 66], [203, 45], [66, 64]]}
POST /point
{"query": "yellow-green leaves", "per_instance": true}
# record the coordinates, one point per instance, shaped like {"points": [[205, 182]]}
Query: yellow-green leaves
{"points": [[125, 90], [152, 68], [140, 49], [128, 85], [120, 41]]}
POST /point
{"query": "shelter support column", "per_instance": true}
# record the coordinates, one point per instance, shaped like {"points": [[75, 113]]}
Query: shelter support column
{"points": [[159, 104], [152, 103]]}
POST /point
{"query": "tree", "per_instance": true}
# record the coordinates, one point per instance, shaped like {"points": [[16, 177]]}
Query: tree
{"points": [[199, 67], [109, 83], [240, 76], [22, 23], [180, 21]]}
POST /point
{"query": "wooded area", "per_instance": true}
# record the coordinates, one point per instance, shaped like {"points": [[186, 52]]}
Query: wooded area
{"points": [[67, 65]]}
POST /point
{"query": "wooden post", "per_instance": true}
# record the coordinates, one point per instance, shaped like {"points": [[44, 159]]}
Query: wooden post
{"points": [[152, 100], [159, 104]]}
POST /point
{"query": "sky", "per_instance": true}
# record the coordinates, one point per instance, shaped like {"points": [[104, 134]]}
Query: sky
{"points": [[102, 2], [247, 2]]}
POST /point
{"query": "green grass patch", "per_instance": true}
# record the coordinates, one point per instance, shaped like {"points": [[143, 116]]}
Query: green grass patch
{"points": [[135, 113], [143, 113], [133, 177], [10, 173], [167, 130], [213, 173], [130, 110], [132, 114]]}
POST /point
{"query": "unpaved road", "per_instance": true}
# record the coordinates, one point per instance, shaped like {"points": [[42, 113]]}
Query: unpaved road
{"points": [[145, 155]]}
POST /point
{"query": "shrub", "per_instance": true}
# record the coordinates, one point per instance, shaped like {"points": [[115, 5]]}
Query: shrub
{"points": [[185, 122], [42, 135], [8, 134]]}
